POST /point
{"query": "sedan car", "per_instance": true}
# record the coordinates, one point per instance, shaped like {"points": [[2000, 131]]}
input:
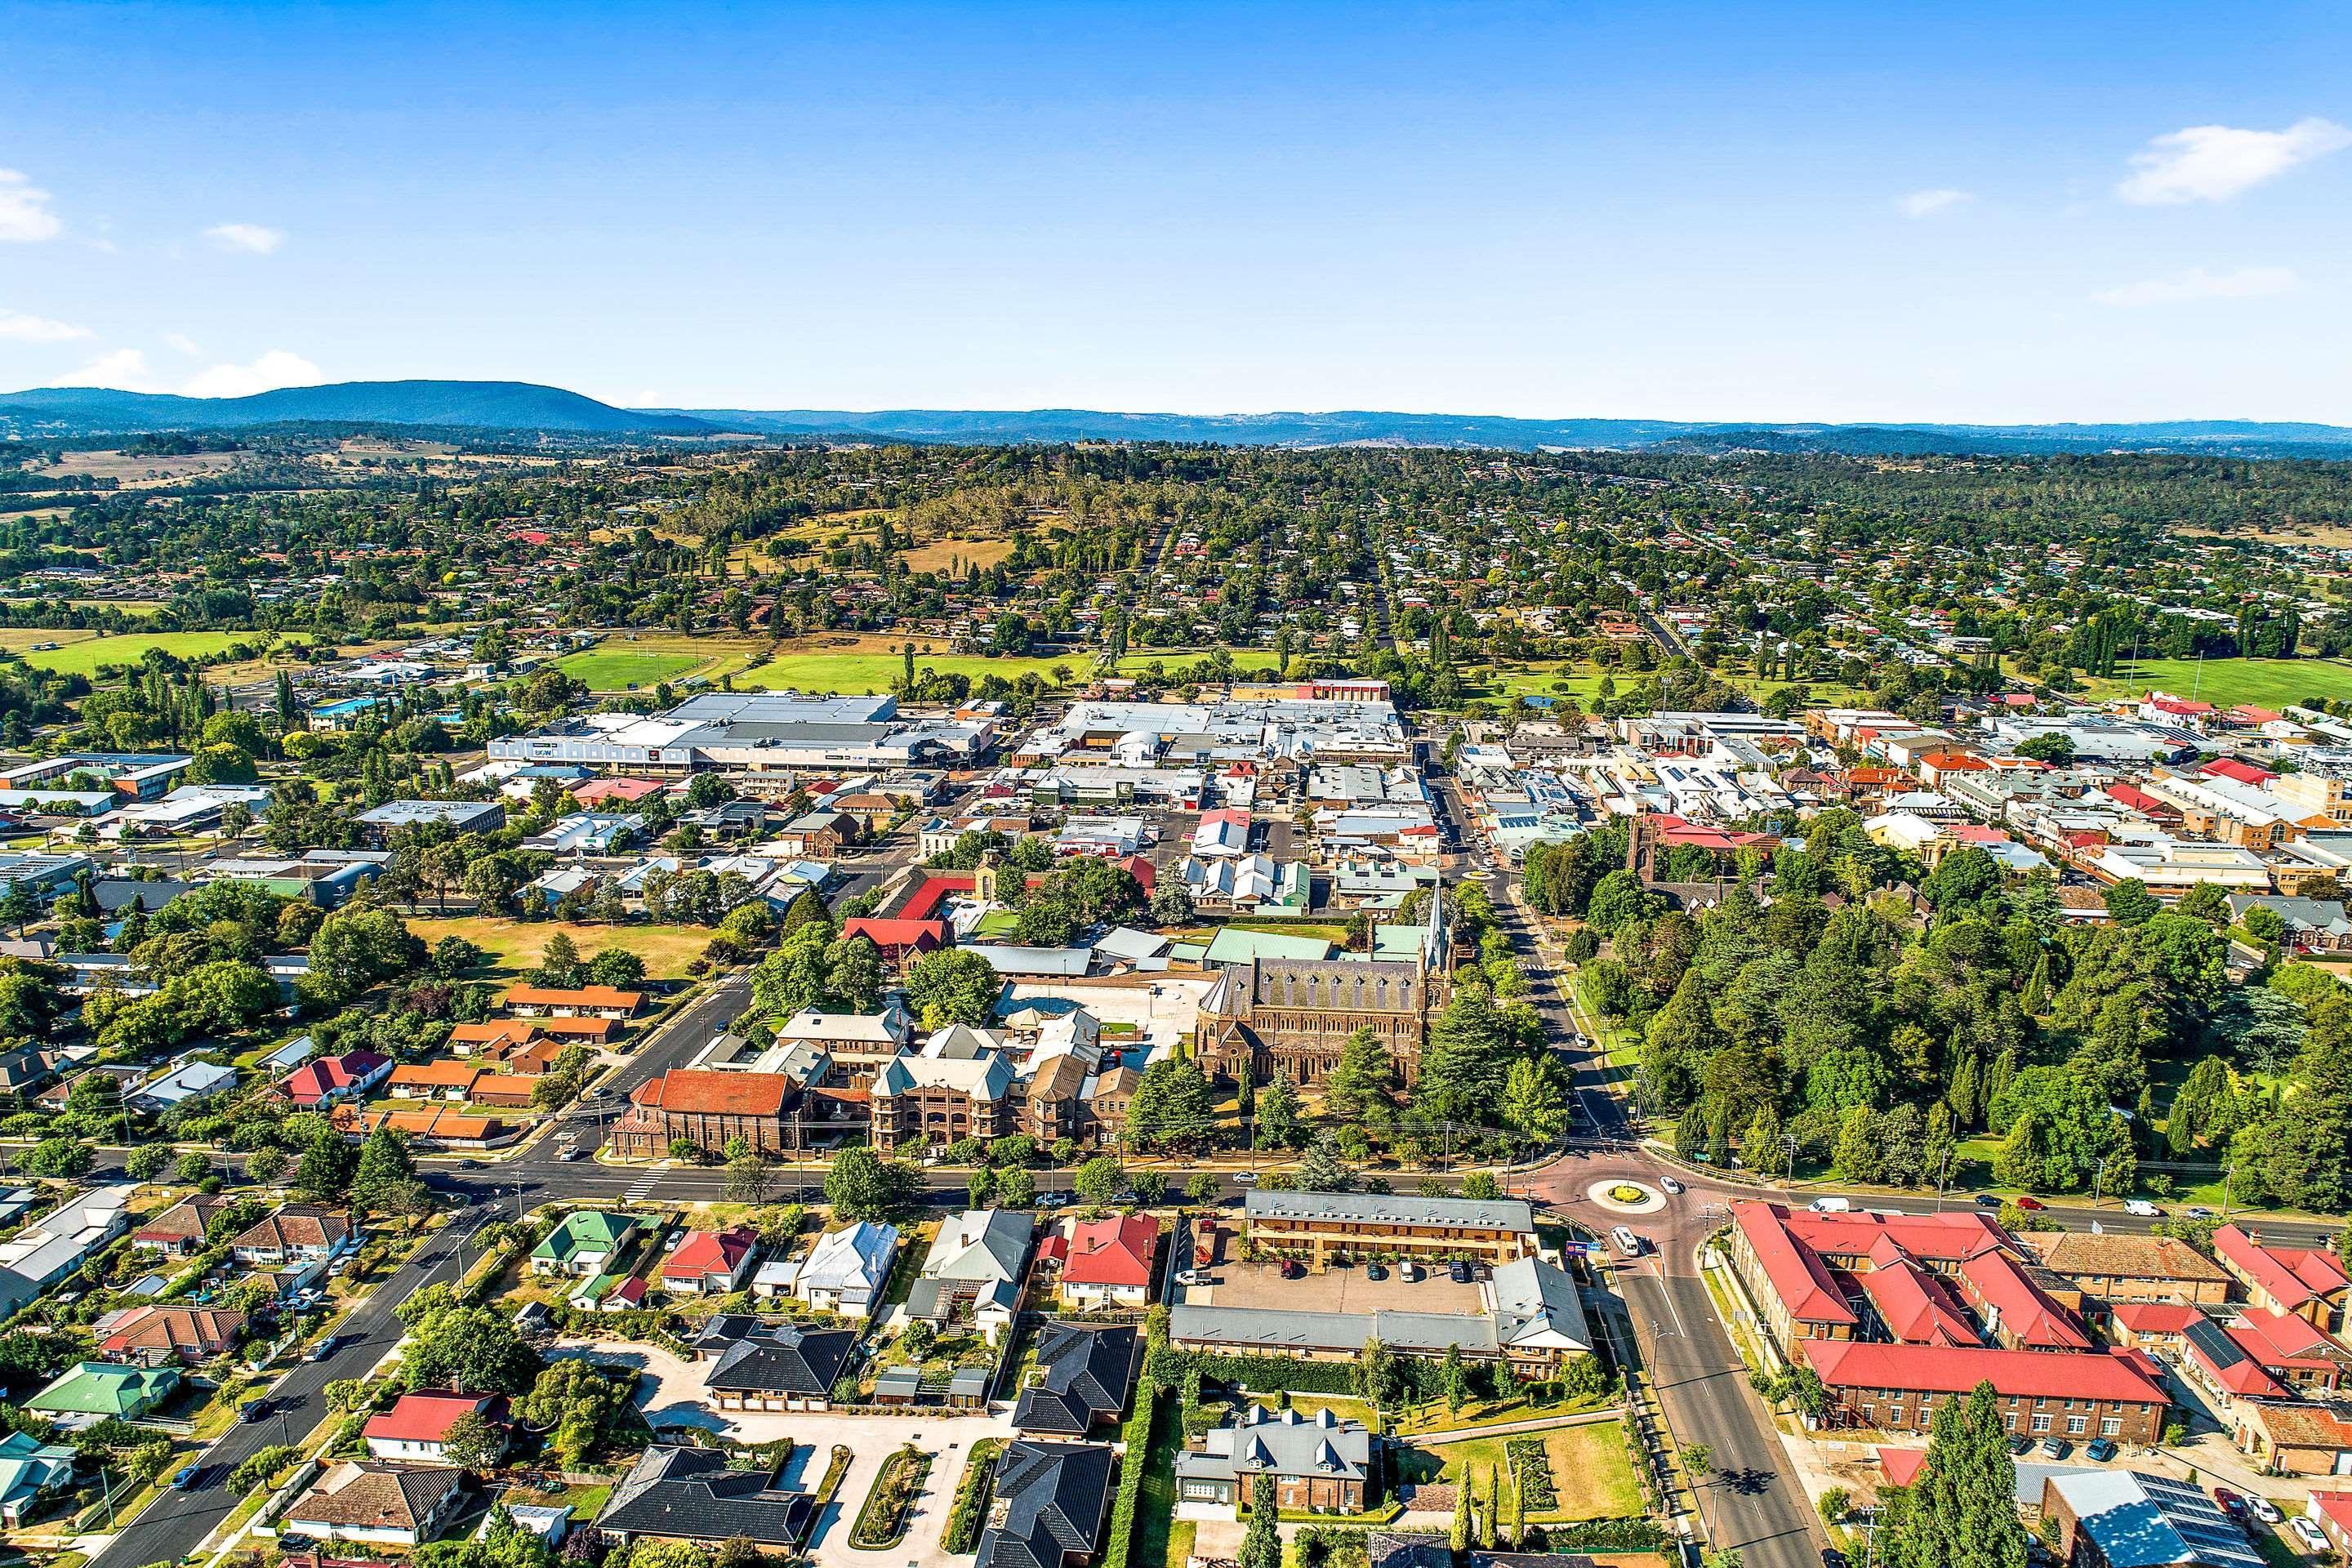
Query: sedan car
{"points": [[2019, 1443], [1670, 1183], [2029, 1203], [2055, 1448], [1189, 1276], [2310, 1534], [1987, 1201], [1376, 1270], [2265, 1510], [2201, 1212], [2230, 1503], [2101, 1449]]}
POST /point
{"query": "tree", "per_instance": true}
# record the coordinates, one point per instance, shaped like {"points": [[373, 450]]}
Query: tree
{"points": [[2130, 903], [472, 1443], [750, 1178], [1149, 1187], [1016, 1188], [1262, 1542], [863, 1186], [384, 1171], [1535, 1099], [1323, 1171], [1172, 1107], [559, 962], [1376, 1377], [59, 1157], [1171, 903], [1362, 1084], [471, 1348], [1482, 1186], [1698, 1461], [1101, 1180], [1961, 1512], [617, 967], [979, 1187], [953, 985], [193, 1168], [146, 1162], [1279, 1123], [1461, 1536], [1202, 1190]]}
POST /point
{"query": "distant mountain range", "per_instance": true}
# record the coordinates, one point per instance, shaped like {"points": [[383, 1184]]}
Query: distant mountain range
{"points": [[520, 407]]}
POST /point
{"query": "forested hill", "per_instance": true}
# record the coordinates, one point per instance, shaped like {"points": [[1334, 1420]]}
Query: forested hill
{"points": [[507, 406]]}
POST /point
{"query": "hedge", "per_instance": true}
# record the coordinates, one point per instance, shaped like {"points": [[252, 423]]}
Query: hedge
{"points": [[1606, 1535], [1138, 1458], [962, 1532], [1266, 1373]]}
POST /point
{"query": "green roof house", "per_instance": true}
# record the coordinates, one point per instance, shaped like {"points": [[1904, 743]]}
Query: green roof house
{"points": [[30, 1471], [585, 1243], [97, 1388]]}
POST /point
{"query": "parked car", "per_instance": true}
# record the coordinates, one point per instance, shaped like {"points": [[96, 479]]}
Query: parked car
{"points": [[1458, 1272], [2230, 1503], [2265, 1509], [2020, 1443], [1189, 1276], [1292, 1269], [2101, 1449], [2310, 1534], [2142, 1208], [1376, 1271], [1408, 1271], [2055, 1448]]}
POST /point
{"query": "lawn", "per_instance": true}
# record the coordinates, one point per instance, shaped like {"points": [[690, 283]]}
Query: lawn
{"points": [[514, 945], [2226, 682], [615, 667], [1155, 1508], [841, 662], [84, 657], [1589, 1467]]}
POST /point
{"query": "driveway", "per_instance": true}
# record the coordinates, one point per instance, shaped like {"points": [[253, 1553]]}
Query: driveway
{"points": [[672, 1393]]}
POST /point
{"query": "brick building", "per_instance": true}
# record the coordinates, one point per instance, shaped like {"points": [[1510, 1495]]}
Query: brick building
{"points": [[1898, 1388]]}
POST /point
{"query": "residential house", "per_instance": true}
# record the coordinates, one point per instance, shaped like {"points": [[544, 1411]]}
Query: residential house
{"points": [[584, 1244], [94, 1389], [31, 1473], [1108, 1262], [161, 1334], [296, 1236], [762, 1364], [711, 1262], [573, 1002], [51, 1248], [818, 834], [1049, 1505], [1085, 1376], [179, 1230], [316, 1085], [417, 1425], [975, 1270], [847, 1269], [695, 1496], [1319, 1463], [377, 1503]]}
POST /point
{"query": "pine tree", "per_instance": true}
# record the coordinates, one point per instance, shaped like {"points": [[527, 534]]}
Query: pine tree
{"points": [[1962, 1513], [1262, 1543], [1966, 1096], [1459, 1538]]}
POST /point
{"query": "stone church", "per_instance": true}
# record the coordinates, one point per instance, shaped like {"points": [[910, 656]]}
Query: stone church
{"points": [[1294, 1015]]}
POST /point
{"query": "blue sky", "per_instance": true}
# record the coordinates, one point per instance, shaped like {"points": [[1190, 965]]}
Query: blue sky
{"points": [[1776, 212]]}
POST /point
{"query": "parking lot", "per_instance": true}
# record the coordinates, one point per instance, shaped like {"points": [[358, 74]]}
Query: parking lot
{"points": [[1335, 1289]]}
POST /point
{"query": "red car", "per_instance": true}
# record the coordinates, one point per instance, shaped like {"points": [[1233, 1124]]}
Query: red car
{"points": [[2028, 1202], [2231, 1504]]}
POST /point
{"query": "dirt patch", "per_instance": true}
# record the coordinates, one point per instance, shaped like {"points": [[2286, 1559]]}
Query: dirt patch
{"points": [[136, 470], [937, 555]]}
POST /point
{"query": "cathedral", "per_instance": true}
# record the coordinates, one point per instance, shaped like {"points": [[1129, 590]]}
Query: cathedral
{"points": [[1294, 1015]]}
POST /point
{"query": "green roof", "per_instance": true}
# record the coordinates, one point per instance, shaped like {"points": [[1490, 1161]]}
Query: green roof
{"points": [[101, 1388], [1233, 945], [1401, 942], [585, 1230]]}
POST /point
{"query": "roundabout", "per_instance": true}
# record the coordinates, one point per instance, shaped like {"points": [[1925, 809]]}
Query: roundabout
{"points": [[1618, 1196]]}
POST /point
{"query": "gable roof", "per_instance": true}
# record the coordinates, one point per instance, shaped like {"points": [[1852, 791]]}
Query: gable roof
{"points": [[699, 1092], [980, 1243], [1854, 1363], [760, 1357], [585, 1230], [171, 1328], [1112, 1251], [2294, 1277], [710, 1252], [856, 1255], [1084, 1376], [296, 1227], [426, 1418], [358, 1495], [1051, 1498]]}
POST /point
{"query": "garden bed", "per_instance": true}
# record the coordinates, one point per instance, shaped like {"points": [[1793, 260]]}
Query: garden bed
{"points": [[882, 1519]]}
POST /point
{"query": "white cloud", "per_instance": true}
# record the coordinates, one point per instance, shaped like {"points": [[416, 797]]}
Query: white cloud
{"points": [[15, 327], [2181, 288], [2214, 163], [274, 369], [125, 370], [250, 237], [1922, 204], [182, 341], [25, 215]]}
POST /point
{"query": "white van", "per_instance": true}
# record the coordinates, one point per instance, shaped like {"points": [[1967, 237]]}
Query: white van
{"points": [[1627, 1242], [1831, 1205], [2141, 1208]]}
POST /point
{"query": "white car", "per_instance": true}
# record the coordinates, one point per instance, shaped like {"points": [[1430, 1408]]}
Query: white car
{"points": [[2310, 1534], [2265, 1510], [1670, 1183], [2142, 1208], [1189, 1276]]}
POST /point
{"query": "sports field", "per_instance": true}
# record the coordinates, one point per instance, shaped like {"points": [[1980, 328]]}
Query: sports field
{"points": [[2264, 682], [619, 667], [83, 657]]}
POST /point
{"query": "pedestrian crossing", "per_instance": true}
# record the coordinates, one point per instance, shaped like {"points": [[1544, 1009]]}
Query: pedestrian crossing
{"points": [[643, 1188]]}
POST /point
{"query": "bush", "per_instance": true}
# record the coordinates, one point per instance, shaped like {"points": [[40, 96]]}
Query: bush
{"points": [[1270, 1373], [1138, 1458], [1532, 1470], [973, 1494]]}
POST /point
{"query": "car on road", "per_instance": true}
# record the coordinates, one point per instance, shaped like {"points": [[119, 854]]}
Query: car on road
{"points": [[2100, 1449], [1831, 1205], [1245, 1178], [2310, 1534], [2029, 1203], [253, 1410], [2055, 1448], [1988, 1200], [186, 1479], [2142, 1209], [573, 1152], [323, 1349], [1627, 1242], [2201, 1212], [2265, 1510], [1670, 1184], [2230, 1503]]}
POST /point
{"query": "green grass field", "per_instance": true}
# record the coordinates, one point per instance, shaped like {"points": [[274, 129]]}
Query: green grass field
{"points": [[617, 667], [2264, 682], [84, 658], [856, 664]]}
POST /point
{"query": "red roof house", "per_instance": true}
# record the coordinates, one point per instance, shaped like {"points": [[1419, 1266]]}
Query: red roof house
{"points": [[2306, 1282], [329, 1078], [711, 1262], [899, 940], [417, 1426], [1110, 1261]]}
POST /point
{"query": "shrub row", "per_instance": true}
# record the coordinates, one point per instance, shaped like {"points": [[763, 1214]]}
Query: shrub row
{"points": [[1130, 1478]]}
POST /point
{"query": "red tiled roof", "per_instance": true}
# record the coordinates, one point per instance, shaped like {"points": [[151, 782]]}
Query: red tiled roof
{"points": [[2281, 1338], [709, 1252], [699, 1092], [2243, 772], [2293, 1276], [1798, 1275], [1852, 1363], [1916, 1306], [1112, 1252], [2019, 1307], [1901, 1467], [2154, 1317], [428, 1417], [897, 932], [933, 891], [2244, 1375], [574, 997]]}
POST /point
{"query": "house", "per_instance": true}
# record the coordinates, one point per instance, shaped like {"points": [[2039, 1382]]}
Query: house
{"points": [[2079, 1396], [1319, 1463], [179, 1230], [2294, 1438], [434, 1081], [2306, 1282], [858, 1043], [709, 1109], [711, 1262], [1539, 1322], [2116, 1267], [318, 1084], [160, 1335], [975, 1270], [1108, 1262], [379, 1504], [94, 1389], [190, 1080], [899, 941], [845, 1272], [1315, 1227], [31, 1472], [1084, 1378], [696, 1496], [417, 1425], [2130, 1519], [297, 1234], [757, 1365], [573, 1002], [1050, 1503], [584, 1245]]}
